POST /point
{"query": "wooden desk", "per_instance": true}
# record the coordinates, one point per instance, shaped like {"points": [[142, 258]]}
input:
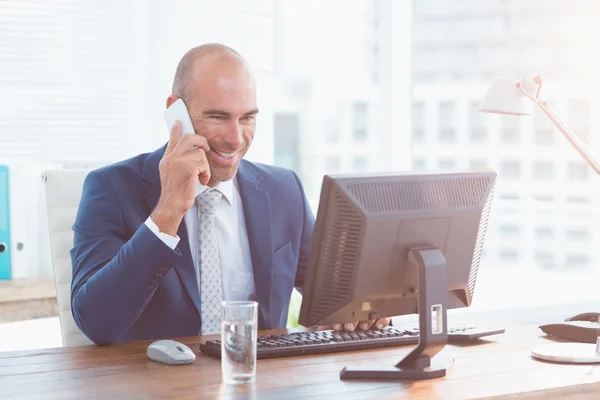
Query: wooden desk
{"points": [[500, 366]]}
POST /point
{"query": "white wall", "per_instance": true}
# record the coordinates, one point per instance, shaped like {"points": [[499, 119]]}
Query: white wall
{"points": [[87, 81]]}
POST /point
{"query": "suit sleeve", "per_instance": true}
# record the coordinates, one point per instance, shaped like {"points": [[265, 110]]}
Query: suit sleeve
{"points": [[308, 225], [115, 272]]}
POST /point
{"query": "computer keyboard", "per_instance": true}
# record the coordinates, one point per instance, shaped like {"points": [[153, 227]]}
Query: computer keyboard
{"points": [[328, 341]]}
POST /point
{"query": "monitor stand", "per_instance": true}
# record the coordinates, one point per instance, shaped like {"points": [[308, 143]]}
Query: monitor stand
{"points": [[432, 298]]}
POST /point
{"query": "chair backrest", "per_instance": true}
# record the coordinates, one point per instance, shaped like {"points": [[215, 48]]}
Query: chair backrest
{"points": [[63, 191]]}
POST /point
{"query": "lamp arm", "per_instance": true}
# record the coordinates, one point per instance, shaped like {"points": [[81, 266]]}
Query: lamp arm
{"points": [[570, 136]]}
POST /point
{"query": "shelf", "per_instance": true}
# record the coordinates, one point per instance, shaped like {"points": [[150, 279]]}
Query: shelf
{"points": [[23, 299]]}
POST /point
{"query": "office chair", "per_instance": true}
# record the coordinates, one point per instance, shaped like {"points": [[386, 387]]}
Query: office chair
{"points": [[63, 192]]}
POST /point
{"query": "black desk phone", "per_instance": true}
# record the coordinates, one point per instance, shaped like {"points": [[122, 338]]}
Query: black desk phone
{"points": [[583, 328]]}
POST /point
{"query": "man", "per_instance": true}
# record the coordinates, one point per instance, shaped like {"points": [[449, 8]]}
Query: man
{"points": [[162, 238]]}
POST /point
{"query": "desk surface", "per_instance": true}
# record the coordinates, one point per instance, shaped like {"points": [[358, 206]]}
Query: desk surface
{"points": [[500, 366]]}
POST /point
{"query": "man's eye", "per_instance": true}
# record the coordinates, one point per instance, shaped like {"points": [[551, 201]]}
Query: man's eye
{"points": [[217, 117], [250, 117]]}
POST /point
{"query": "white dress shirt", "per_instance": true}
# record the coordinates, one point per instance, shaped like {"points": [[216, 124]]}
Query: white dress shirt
{"points": [[232, 237]]}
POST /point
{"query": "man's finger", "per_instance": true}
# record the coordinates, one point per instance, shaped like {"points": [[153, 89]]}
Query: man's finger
{"points": [[350, 326], [365, 325], [198, 158], [196, 155], [189, 142], [334, 327], [204, 175], [174, 137], [382, 323]]}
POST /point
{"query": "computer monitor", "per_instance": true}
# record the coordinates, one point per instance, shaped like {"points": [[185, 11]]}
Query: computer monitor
{"points": [[395, 244]]}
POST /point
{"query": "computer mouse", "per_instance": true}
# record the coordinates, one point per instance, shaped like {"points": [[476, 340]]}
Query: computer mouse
{"points": [[170, 352]]}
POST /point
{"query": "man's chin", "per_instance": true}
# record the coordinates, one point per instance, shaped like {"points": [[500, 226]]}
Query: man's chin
{"points": [[221, 174]]}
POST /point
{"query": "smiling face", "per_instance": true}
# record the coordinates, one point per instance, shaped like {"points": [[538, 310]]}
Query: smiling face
{"points": [[221, 100]]}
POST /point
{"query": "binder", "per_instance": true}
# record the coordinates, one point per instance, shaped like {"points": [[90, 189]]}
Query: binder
{"points": [[5, 244]]}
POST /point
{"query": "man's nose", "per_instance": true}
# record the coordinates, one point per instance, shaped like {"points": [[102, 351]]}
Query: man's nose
{"points": [[234, 135]]}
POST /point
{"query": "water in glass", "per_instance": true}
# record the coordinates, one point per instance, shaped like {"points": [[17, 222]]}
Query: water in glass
{"points": [[238, 351]]}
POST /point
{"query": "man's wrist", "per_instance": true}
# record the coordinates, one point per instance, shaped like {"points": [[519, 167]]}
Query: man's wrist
{"points": [[167, 220], [171, 241]]}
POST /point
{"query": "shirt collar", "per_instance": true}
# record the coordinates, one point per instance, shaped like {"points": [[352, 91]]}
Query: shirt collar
{"points": [[226, 188]]}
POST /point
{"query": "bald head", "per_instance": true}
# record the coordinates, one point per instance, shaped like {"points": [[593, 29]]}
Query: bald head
{"points": [[203, 60], [219, 90]]}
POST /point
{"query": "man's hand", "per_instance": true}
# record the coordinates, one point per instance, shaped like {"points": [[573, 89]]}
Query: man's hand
{"points": [[183, 163], [359, 325]]}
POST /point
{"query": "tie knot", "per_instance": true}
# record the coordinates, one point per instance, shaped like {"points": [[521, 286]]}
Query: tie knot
{"points": [[208, 201]]}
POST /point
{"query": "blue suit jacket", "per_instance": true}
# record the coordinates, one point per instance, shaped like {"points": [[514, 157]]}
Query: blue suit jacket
{"points": [[128, 285]]}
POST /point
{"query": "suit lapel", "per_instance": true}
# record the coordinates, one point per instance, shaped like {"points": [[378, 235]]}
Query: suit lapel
{"points": [[257, 215], [185, 268]]}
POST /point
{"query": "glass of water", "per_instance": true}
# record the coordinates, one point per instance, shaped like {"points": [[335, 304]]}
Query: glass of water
{"points": [[238, 341]]}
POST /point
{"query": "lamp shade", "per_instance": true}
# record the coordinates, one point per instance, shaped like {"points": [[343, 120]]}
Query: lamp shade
{"points": [[503, 97]]}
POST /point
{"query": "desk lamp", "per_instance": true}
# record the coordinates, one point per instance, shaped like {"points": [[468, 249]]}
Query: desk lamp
{"points": [[509, 97]]}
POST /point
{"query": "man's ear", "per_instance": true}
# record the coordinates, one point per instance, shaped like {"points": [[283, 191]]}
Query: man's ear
{"points": [[171, 99]]}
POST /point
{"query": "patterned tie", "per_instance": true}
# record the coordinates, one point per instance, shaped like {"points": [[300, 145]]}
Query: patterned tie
{"points": [[209, 266]]}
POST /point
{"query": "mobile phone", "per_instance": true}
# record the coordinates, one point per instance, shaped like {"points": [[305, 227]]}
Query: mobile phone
{"points": [[178, 111]]}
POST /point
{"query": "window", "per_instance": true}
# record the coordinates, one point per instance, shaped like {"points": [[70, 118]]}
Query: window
{"points": [[419, 164], [510, 230], [509, 255], [577, 260], [578, 235], [544, 130], [447, 135], [511, 130], [447, 164], [300, 89], [285, 132], [579, 116], [285, 159], [577, 200], [418, 121], [577, 171], [418, 135], [360, 164], [544, 233], [510, 169], [543, 171], [447, 122], [544, 260], [360, 117], [479, 122], [332, 165], [479, 136], [333, 136], [478, 164]]}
